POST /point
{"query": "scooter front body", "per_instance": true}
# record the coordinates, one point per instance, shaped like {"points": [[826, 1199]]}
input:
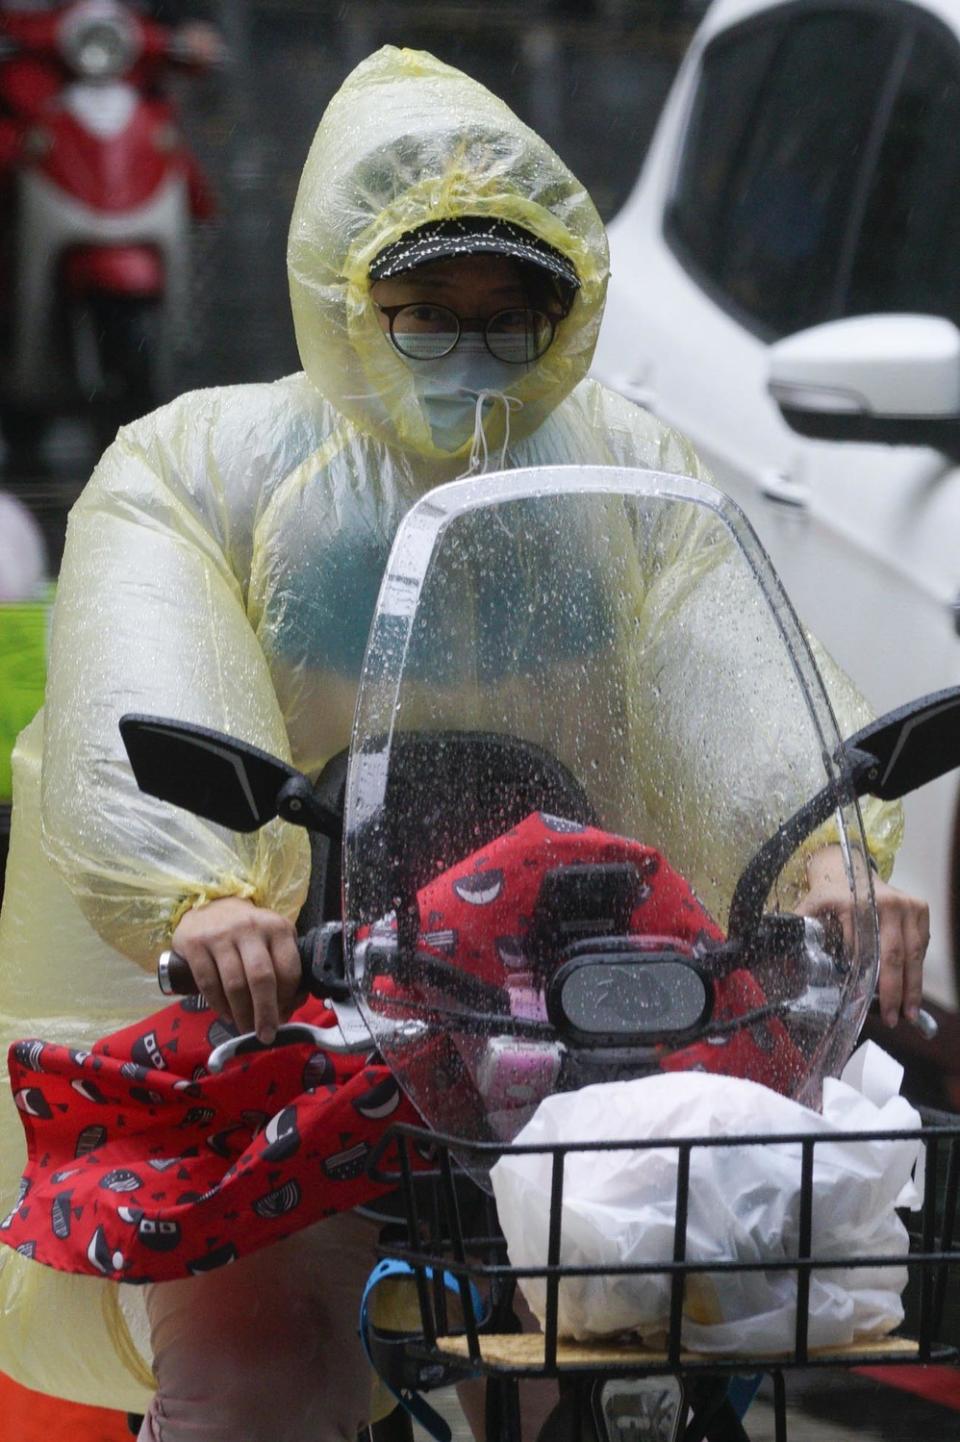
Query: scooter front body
{"points": [[102, 207]]}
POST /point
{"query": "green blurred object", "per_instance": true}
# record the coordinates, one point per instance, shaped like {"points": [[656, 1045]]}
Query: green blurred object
{"points": [[23, 672]]}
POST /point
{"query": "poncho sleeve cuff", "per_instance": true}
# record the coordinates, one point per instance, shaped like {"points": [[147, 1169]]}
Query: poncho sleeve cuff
{"points": [[246, 891]]}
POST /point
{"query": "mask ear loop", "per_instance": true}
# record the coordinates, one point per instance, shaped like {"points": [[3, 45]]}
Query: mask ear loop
{"points": [[479, 450], [479, 457], [510, 403]]}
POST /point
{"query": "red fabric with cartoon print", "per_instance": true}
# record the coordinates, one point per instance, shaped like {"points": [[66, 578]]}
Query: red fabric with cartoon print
{"points": [[145, 1167]]}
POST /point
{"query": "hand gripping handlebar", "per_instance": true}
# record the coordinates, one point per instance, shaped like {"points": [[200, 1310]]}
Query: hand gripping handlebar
{"points": [[321, 957]]}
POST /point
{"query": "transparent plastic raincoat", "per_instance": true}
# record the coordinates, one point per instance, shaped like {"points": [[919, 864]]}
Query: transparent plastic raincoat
{"points": [[222, 567]]}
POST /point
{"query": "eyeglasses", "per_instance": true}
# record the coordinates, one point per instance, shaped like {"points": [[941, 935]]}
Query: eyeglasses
{"points": [[422, 331]]}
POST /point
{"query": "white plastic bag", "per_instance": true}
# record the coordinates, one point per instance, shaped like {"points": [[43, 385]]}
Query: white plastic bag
{"points": [[744, 1205]]}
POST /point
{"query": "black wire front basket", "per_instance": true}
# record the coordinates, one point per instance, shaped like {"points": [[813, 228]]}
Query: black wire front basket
{"points": [[447, 1235]]}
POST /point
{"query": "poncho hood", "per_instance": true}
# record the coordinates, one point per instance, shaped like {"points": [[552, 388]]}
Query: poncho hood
{"points": [[407, 140]]}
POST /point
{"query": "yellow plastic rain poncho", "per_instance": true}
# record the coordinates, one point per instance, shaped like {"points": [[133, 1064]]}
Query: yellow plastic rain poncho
{"points": [[222, 566]]}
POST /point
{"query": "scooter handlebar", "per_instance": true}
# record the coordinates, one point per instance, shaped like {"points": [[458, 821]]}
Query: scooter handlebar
{"points": [[321, 957], [175, 978]]}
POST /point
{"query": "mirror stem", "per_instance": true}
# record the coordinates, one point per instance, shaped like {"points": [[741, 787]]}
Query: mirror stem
{"points": [[298, 803], [857, 768]]}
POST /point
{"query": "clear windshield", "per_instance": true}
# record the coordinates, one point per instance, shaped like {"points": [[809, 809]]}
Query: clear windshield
{"points": [[585, 706]]}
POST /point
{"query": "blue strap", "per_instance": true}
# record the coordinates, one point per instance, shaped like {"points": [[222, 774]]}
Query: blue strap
{"points": [[742, 1391], [420, 1410]]}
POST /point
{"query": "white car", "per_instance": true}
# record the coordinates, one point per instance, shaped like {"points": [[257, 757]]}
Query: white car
{"points": [[805, 177]]}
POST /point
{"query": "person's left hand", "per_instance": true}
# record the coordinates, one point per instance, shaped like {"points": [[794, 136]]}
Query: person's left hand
{"points": [[904, 925]]}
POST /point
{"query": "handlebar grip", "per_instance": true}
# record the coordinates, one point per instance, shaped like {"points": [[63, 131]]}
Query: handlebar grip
{"points": [[175, 978]]}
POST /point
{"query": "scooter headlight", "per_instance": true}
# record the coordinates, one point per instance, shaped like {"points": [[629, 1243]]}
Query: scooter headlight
{"points": [[99, 41]]}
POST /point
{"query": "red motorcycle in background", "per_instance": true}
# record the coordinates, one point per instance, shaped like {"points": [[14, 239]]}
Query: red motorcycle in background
{"points": [[100, 197]]}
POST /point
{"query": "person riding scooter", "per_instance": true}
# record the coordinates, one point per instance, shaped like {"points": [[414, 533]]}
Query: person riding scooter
{"points": [[222, 565]]}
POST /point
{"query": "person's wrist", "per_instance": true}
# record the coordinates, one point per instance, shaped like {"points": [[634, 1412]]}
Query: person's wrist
{"points": [[199, 917], [828, 865]]}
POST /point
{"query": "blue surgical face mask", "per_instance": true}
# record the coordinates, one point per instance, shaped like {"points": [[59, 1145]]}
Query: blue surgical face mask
{"points": [[448, 389]]}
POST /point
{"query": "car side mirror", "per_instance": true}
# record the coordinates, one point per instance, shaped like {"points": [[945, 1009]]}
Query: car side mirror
{"points": [[219, 778], [891, 379]]}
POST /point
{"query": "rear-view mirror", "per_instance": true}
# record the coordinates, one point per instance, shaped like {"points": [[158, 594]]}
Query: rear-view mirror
{"points": [[205, 772], [910, 746]]}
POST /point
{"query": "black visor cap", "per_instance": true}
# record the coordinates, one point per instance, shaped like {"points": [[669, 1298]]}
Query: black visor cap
{"points": [[471, 235]]}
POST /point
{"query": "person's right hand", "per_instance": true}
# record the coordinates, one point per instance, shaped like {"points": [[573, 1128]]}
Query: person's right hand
{"points": [[244, 960]]}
